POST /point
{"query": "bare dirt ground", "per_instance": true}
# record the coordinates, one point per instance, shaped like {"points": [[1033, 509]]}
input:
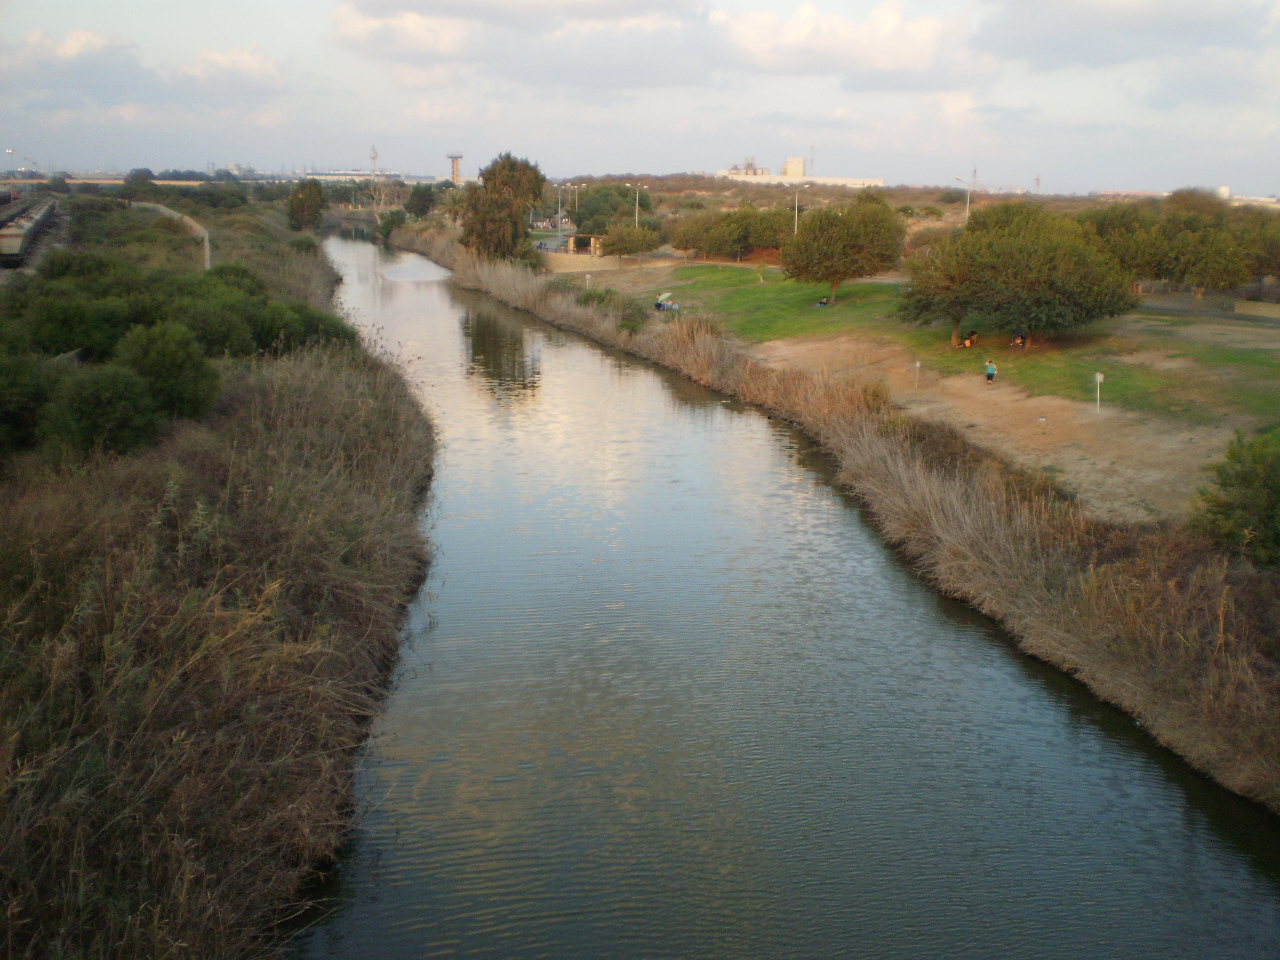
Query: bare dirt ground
{"points": [[1122, 466]]}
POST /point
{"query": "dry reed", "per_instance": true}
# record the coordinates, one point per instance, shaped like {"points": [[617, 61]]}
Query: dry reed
{"points": [[1151, 619], [191, 642]]}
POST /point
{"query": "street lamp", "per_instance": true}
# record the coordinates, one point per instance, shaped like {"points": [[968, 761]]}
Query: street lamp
{"points": [[638, 189], [968, 189], [797, 226]]}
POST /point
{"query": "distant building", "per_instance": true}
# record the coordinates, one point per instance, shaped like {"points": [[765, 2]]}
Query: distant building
{"points": [[793, 167], [793, 174]]}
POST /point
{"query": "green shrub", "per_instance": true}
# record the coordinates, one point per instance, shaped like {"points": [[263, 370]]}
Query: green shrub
{"points": [[1243, 512], [392, 220], [287, 326], [26, 383], [168, 356], [105, 406], [64, 319], [630, 312]]}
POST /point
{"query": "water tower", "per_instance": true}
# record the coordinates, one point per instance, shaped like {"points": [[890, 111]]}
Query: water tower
{"points": [[455, 157]]}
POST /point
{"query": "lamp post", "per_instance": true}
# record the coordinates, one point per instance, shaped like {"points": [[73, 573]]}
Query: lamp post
{"points": [[968, 190], [638, 188], [559, 207], [796, 229]]}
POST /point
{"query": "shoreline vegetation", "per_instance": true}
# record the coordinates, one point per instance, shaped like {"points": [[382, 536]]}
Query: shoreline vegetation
{"points": [[194, 634], [1153, 619]]}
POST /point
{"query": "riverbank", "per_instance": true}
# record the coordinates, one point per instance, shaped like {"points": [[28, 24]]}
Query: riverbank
{"points": [[195, 634], [1151, 619]]}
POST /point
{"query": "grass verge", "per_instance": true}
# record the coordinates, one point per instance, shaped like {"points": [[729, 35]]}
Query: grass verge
{"points": [[1153, 620], [1155, 366]]}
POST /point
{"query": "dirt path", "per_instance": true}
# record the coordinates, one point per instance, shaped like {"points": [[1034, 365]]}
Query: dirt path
{"points": [[1122, 465]]}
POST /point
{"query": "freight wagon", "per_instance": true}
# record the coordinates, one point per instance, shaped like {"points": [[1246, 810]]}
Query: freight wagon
{"points": [[17, 236]]}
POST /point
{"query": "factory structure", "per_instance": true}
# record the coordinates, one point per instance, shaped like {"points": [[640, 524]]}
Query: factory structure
{"points": [[794, 171]]}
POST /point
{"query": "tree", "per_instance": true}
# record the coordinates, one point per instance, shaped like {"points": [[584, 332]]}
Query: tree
{"points": [[834, 246], [391, 221], [305, 206], [183, 383], [603, 204], [1039, 276], [626, 240], [420, 201], [1258, 232], [490, 226], [493, 214], [1210, 260], [1243, 513]]}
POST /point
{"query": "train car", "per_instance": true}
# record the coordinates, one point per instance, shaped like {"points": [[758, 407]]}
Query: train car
{"points": [[17, 236]]}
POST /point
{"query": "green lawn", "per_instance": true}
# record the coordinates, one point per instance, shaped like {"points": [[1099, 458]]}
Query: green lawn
{"points": [[1221, 381]]}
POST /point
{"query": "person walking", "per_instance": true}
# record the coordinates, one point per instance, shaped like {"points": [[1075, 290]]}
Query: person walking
{"points": [[991, 371]]}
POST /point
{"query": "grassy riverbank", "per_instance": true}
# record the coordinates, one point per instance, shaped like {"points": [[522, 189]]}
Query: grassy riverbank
{"points": [[194, 635], [1155, 364], [1151, 619]]}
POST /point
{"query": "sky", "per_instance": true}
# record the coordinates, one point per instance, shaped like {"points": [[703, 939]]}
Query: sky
{"points": [[1082, 94]]}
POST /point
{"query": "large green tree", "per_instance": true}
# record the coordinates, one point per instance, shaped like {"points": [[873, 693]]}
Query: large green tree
{"points": [[624, 240], [607, 203], [420, 200], [306, 205], [1035, 274], [493, 213], [833, 246]]}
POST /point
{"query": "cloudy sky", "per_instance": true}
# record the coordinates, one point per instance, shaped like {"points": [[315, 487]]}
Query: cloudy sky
{"points": [[1084, 94]]}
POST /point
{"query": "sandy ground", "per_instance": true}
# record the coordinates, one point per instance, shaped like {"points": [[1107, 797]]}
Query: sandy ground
{"points": [[1121, 465]]}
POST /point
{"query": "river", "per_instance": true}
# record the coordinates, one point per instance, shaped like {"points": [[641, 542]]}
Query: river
{"points": [[666, 694]]}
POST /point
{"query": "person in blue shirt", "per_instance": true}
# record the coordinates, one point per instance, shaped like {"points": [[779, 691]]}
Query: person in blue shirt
{"points": [[991, 371]]}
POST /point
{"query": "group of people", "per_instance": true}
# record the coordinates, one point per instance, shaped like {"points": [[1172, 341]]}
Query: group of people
{"points": [[971, 338]]}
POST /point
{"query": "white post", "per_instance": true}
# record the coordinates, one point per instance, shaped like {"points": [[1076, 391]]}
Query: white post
{"points": [[917, 374], [1097, 379]]}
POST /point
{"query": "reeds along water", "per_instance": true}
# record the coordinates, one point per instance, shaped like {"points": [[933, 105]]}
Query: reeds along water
{"points": [[1152, 619], [193, 639]]}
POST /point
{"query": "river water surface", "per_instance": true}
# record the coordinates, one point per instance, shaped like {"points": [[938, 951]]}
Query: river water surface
{"points": [[666, 694]]}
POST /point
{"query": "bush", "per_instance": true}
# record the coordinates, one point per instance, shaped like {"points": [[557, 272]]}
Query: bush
{"points": [[26, 383], [629, 312], [392, 220], [952, 195], [105, 406], [1243, 513], [168, 356], [287, 326]]}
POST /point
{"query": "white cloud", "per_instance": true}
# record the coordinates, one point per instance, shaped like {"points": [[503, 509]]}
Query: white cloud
{"points": [[404, 32], [1055, 33], [239, 64], [537, 14], [816, 42]]}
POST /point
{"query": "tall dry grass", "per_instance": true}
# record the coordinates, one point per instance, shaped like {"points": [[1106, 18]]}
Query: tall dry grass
{"points": [[1154, 620], [257, 237], [191, 642]]}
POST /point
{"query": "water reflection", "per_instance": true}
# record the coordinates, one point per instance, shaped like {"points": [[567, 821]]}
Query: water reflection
{"points": [[500, 355], [667, 695]]}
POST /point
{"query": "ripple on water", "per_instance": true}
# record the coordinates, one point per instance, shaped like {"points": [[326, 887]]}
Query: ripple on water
{"points": [[666, 695]]}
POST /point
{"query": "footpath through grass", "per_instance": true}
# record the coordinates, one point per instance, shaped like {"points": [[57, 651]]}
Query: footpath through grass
{"points": [[1154, 366]]}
